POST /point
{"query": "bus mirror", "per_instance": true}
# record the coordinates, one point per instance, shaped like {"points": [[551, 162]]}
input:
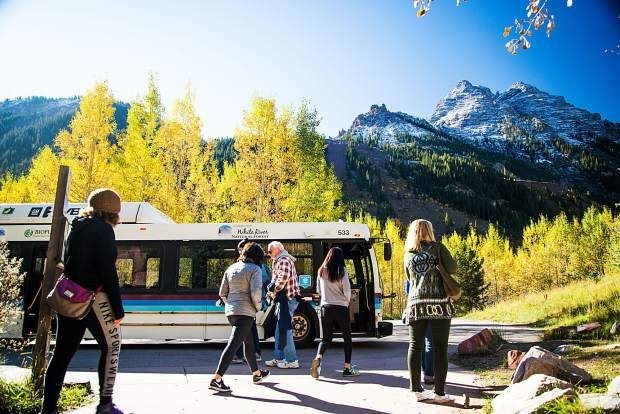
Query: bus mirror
{"points": [[387, 251]]}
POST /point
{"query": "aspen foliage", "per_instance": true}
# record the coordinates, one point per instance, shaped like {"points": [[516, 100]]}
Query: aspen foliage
{"points": [[86, 146], [279, 173]]}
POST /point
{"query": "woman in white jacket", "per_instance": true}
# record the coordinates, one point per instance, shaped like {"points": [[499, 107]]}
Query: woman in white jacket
{"points": [[335, 289]]}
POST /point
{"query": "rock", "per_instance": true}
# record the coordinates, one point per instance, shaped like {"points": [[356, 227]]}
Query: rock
{"points": [[609, 403], [527, 396], [615, 328], [540, 361], [612, 346], [11, 373], [567, 348], [476, 344], [614, 386], [514, 357], [588, 327]]}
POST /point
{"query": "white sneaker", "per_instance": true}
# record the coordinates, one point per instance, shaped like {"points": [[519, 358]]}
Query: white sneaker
{"points": [[286, 364], [442, 399], [425, 395], [273, 362]]}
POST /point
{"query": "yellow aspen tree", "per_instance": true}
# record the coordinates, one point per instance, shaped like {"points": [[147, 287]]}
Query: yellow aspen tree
{"points": [[14, 189], [86, 146], [316, 194], [498, 260], [265, 162], [205, 178], [394, 269], [40, 181], [138, 169], [179, 140]]}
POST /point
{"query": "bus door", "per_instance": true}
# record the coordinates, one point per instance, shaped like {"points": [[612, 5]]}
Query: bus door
{"points": [[361, 306], [34, 257]]}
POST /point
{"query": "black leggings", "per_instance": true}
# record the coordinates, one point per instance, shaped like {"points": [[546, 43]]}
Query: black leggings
{"points": [[440, 329], [69, 334], [241, 334], [239, 353], [333, 316]]}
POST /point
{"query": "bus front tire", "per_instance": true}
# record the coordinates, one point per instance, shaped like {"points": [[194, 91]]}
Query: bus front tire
{"points": [[304, 332]]}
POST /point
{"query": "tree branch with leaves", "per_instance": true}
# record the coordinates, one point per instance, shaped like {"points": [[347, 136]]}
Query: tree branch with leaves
{"points": [[538, 16]]}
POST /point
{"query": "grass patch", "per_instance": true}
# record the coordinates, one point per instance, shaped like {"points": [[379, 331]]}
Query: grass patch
{"points": [[574, 304], [22, 398], [567, 406]]}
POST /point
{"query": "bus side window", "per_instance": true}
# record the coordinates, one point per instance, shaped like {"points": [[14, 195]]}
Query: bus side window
{"points": [[138, 266], [185, 273]]}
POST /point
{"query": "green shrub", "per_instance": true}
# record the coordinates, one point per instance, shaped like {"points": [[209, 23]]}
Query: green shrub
{"points": [[22, 398], [566, 406]]}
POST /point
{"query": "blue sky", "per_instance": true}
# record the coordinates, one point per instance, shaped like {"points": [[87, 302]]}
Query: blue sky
{"points": [[341, 55]]}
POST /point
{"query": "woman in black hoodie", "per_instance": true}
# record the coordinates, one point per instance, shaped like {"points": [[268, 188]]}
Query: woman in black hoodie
{"points": [[90, 260]]}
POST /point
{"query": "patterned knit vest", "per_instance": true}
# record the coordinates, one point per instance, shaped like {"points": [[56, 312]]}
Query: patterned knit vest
{"points": [[427, 298]]}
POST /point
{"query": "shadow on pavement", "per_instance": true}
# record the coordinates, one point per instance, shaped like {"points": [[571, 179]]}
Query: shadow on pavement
{"points": [[308, 401]]}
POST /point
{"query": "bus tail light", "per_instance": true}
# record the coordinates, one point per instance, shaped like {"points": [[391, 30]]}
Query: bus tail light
{"points": [[316, 298]]}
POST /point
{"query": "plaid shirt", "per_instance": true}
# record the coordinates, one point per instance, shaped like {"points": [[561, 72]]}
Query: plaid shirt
{"points": [[284, 275]]}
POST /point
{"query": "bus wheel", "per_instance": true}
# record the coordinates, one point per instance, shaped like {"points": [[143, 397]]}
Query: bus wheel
{"points": [[303, 330]]}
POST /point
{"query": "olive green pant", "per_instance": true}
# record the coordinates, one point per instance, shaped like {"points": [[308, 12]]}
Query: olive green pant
{"points": [[440, 329]]}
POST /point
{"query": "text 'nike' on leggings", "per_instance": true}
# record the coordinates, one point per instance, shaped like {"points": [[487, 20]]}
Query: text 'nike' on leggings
{"points": [[336, 316], [69, 334]]}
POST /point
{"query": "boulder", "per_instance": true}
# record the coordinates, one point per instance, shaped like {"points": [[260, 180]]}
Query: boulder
{"points": [[527, 396], [615, 328], [540, 361], [608, 403], [514, 357], [567, 348], [476, 344], [614, 386], [588, 327]]}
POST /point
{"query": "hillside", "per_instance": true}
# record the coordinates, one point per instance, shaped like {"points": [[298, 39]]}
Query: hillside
{"points": [[398, 198], [28, 124], [551, 140]]}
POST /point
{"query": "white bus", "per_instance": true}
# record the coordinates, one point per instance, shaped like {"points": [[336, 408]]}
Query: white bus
{"points": [[170, 273]]}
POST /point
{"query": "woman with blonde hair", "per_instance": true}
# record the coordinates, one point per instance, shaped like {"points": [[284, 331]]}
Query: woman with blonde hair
{"points": [[427, 305]]}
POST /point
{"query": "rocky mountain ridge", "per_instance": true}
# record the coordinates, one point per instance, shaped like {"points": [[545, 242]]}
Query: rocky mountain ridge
{"points": [[476, 114]]}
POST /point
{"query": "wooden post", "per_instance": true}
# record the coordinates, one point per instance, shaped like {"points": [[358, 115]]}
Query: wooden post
{"points": [[54, 255]]}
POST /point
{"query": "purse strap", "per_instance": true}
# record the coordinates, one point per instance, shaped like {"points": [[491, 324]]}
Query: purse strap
{"points": [[438, 253]]}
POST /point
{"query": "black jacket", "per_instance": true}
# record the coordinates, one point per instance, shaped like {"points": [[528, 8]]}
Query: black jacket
{"points": [[90, 258]]}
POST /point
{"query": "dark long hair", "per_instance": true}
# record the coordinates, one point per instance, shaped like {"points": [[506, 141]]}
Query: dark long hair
{"points": [[252, 253], [333, 264]]}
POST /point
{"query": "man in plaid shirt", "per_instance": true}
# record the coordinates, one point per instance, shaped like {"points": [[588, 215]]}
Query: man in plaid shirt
{"points": [[284, 278]]}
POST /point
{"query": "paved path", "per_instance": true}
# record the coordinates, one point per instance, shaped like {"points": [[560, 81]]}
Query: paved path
{"points": [[173, 378]]}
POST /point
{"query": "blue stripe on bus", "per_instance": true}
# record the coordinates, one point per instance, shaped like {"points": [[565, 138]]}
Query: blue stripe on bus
{"points": [[184, 305], [171, 306]]}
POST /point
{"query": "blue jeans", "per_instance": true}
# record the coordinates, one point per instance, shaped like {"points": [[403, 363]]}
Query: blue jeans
{"points": [[288, 353], [427, 359]]}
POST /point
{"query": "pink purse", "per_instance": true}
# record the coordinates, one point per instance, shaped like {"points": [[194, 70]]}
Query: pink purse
{"points": [[70, 299]]}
